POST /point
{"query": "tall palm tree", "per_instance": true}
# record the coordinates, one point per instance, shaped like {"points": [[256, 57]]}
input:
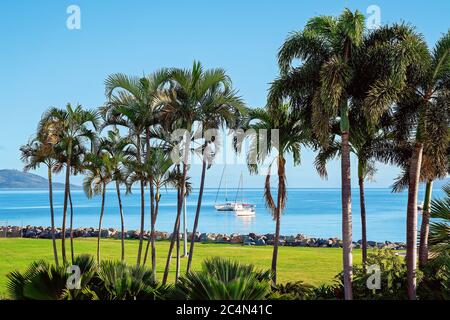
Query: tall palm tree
{"points": [[73, 130], [181, 106], [98, 175], [434, 166], [290, 137], [157, 166], [424, 99], [220, 107], [367, 144], [118, 150], [132, 105], [40, 151], [327, 84]]}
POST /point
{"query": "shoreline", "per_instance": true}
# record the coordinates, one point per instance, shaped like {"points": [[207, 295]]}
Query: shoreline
{"points": [[250, 239]]}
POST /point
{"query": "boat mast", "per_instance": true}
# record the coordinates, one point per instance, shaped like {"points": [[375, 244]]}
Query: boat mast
{"points": [[220, 184]]}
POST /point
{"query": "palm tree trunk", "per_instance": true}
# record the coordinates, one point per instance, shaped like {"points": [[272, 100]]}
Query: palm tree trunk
{"points": [[275, 247], [141, 235], [411, 220], [66, 196], [72, 253], [176, 225], [152, 220], [102, 210], [52, 214], [346, 216], [280, 205], [362, 203], [122, 223], [152, 197], [177, 264], [177, 270], [197, 216], [425, 226], [153, 244], [141, 231]]}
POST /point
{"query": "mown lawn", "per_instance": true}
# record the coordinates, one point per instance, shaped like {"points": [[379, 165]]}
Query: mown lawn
{"points": [[311, 265]]}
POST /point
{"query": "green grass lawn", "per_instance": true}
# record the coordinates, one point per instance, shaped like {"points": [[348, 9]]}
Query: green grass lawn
{"points": [[311, 265]]}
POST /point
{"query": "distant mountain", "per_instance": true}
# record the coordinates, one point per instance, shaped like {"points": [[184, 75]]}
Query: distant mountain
{"points": [[25, 180]]}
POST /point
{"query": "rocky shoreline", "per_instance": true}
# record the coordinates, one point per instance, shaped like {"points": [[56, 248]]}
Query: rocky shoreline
{"points": [[250, 239]]}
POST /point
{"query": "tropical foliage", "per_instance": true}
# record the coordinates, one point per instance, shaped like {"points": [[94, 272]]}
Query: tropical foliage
{"points": [[379, 95]]}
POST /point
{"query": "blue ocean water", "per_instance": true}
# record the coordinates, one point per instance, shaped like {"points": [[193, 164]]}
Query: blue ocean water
{"points": [[313, 212]]}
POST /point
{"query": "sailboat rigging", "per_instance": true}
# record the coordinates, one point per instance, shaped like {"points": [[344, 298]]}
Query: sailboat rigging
{"points": [[239, 207]]}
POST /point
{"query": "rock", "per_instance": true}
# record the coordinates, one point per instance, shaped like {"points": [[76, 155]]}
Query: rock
{"points": [[236, 239], [260, 242]]}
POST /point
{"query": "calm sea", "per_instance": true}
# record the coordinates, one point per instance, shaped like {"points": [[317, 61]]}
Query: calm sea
{"points": [[313, 212]]}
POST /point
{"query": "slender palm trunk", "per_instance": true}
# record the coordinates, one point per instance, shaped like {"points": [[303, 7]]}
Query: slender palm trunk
{"points": [[197, 217], [152, 198], [278, 209], [177, 269], [66, 197], [102, 210], [176, 225], [425, 226], [152, 221], [362, 203], [275, 247], [52, 214], [346, 216], [141, 234], [122, 223], [72, 252], [153, 243], [411, 220]]}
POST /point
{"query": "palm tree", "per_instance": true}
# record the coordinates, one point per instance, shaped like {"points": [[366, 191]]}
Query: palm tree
{"points": [[118, 150], [181, 106], [221, 106], [327, 84], [98, 175], [73, 130], [434, 166], [157, 166], [132, 105], [290, 137], [424, 100], [40, 151], [176, 179], [367, 144]]}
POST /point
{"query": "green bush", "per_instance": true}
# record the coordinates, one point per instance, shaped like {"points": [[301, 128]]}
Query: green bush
{"points": [[222, 279], [436, 279], [112, 280], [292, 291]]}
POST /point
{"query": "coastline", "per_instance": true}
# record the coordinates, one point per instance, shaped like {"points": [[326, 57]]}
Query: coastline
{"points": [[250, 239]]}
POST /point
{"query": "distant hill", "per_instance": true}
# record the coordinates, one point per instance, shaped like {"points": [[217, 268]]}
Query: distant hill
{"points": [[25, 180]]}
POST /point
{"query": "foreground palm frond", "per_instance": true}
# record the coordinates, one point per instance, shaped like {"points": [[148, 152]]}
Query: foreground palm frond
{"points": [[225, 280]]}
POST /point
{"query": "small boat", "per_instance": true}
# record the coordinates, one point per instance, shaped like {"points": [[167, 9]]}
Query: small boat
{"points": [[244, 211], [228, 206], [232, 205]]}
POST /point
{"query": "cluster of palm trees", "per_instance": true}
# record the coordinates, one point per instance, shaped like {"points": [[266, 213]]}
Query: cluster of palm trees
{"points": [[380, 94], [149, 124]]}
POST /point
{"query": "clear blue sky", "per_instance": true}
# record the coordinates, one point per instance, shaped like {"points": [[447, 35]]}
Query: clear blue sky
{"points": [[44, 64]]}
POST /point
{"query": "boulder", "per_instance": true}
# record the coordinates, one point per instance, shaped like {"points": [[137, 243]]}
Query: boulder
{"points": [[260, 242], [236, 239]]}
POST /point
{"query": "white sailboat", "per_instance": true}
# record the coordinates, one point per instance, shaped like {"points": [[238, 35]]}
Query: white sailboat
{"points": [[240, 208]]}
